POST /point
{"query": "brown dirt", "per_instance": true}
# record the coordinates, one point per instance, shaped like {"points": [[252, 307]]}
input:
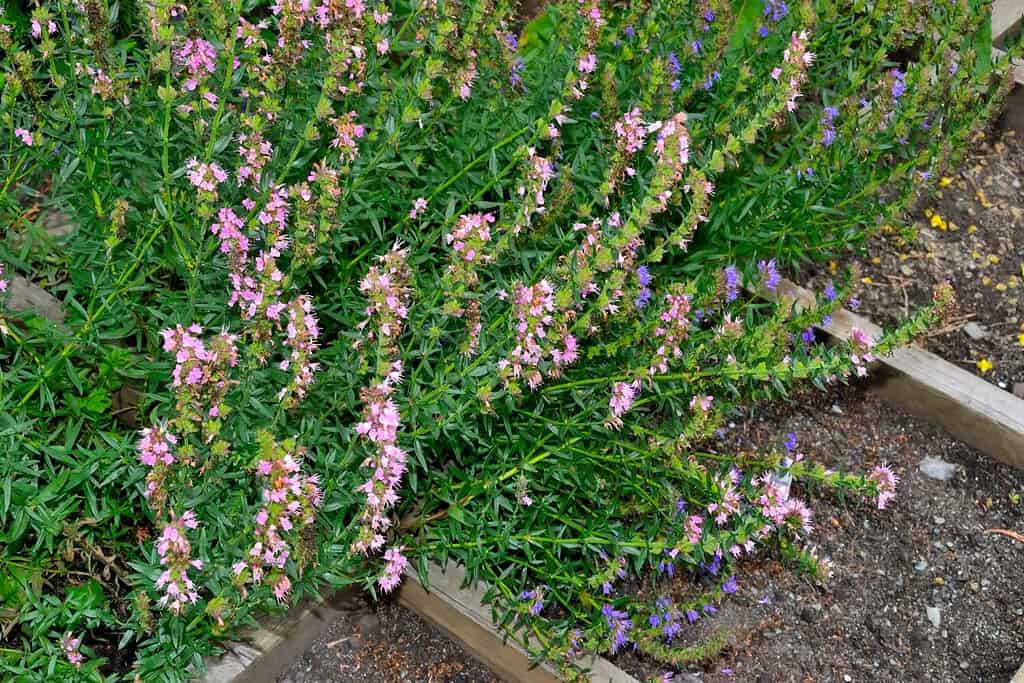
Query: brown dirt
{"points": [[385, 643], [870, 622], [970, 234]]}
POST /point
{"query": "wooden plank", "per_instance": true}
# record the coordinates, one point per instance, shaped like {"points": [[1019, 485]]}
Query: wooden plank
{"points": [[261, 655], [921, 383], [459, 610], [1006, 16]]}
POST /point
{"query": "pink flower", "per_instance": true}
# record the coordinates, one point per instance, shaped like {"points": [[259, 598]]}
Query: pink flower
{"points": [[630, 132], [205, 177], [395, 564], [346, 132], [175, 556], [694, 528], [418, 207], [25, 136], [293, 499], [622, 397], [282, 587], [885, 480], [69, 644], [199, 58], [701, 403]]}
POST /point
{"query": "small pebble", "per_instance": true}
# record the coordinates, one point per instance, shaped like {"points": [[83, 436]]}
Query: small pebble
{"points": [[934, 615], [936, 468], [975, 331]]}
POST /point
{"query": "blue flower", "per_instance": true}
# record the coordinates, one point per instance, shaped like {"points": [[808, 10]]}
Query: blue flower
{"points": [[643, 276], [899, 83], [673, 63], [769, 274], [732, 283], [791, 442], [730, 585]]}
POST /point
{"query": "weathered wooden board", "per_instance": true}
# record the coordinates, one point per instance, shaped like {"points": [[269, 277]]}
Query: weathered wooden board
{"points": [[1006, 16], [261, 655], [459, 611], [921, 383]]}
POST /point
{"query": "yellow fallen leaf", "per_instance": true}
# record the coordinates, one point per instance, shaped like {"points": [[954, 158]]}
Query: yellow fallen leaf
{"points": [[945, 181], [984, 365]]}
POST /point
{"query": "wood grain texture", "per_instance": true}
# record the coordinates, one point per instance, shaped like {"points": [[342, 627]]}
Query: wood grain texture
{"points": [[459, 611], [261, 655], [921, 383], [1006, 15]]}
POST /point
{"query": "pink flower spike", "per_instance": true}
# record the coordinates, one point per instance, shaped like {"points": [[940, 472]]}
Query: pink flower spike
{"points": [[69, 644]]}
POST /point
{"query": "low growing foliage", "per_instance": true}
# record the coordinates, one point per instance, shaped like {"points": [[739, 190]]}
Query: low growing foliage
{"points": [[355, 286]]}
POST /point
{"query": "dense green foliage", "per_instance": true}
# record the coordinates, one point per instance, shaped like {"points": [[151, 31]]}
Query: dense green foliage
{"points": [[564, 306]]}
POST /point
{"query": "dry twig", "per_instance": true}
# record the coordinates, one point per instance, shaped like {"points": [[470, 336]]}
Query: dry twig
{"points": [[1006, 532]]}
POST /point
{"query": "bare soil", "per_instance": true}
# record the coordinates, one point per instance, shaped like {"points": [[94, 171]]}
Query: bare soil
{"points": [[385, 643], [932, 548], [970, 234]]}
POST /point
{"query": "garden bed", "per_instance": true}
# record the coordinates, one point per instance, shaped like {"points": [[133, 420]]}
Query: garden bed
{"points": [[871, 621], [331, 438], [383, 643], [970, 234]]}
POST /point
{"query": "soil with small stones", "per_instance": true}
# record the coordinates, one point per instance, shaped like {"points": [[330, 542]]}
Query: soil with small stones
{"points": [[970, 234], [929, 549], [385, 643]]}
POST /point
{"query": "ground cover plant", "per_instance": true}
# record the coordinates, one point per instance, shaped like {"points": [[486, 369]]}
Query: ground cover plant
{"points": [[358, 286]]}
